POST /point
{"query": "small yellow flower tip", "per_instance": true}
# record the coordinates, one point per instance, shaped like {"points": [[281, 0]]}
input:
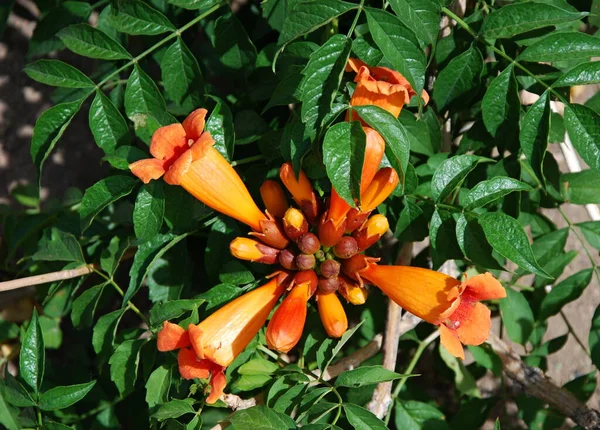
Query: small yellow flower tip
{"points": [[294, 223], [252, 250], [274, 198], [353, 292], [332, 314], [371, 231]]}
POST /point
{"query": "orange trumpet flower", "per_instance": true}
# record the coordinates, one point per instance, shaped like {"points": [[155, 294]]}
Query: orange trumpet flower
{"points": [[381, 87], [332, 314], [301, 190], [274, 198], [252, 250]]}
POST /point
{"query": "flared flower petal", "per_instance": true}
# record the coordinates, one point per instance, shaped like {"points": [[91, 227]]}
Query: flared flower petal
{"points": [[172, 337], [222, 336], [286, 326], [148, 169], [332, 314], [217, 385], [254, 251], [301, 190], [381, 87], [190, 366], [273, 197]]}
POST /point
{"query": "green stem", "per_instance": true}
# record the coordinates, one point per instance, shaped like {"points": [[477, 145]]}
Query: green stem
{"points": [[248, 160], [411, 366], [353, 26], [39, 418], [98, 4], [268, 352], [572, 331], [502, 54]]}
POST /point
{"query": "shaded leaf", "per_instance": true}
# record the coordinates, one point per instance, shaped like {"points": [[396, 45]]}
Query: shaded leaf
{"points": [[58, 74], [451, 173], [32, 356], [459, 78], [124, 365], [83, 39], [107, 124], [361, 419], [149, 210], [533, 137], [181, 75], [137, 17], [516, 316], [366, 375], [56, 245], [564, 292], [64, 396], [583, 126], [501, 102]]}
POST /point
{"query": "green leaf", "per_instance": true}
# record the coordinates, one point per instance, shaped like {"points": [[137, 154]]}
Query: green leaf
{"points": [[64, 396], [32, 355], [101, 194], [83, 39], [582, 74], [417, 132], [142, 95], [261, 417], [8, 413], [485, 356], [490, 190], [172, 309], [421, 16], [308, 15], [147, 253], [343, 156], [508, 238], [594, 338], [84, 306], [413, 415], [583, 126], [516, 316], [49, 127], [158, 385], [501, 103], [581, 188], [258, 366], [565, 292], [451, 173], [591, 232], [463, 379], [233, 46], [366, 375], [583, 387], [15, 393], [518, 18], [322, 77], [56, 245], [181, 75], [361, 419], [58, 74], [394, 134], [124, 155], [328, 358], [103, 337], [472, 242], [562, 46], [220, 126], [174, 409], [124, 365], [112, 254], [149, 210], [459, 78], [533, 137], [137, 17], [399, 46], [107, 124]]}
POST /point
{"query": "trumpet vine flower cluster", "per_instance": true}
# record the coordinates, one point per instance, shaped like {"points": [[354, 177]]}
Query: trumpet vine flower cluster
{"points": [[315, 244]]}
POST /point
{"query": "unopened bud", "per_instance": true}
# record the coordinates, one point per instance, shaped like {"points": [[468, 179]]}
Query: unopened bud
{"points": [[287, 259], [346, 247], [307, 277], [380, 188], [274, 198], [354, 265], [252, 250], [329, 231], [330, 268], [371, 231], [294, 223], [272, 234], [309, 243], [329, 285], [355, 219], [306, 261], [353, 292], [332, 314]]}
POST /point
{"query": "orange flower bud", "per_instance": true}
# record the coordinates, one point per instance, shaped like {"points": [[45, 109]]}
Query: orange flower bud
{"points": [[271, 233], [294, 223], [251, 250], [288, 259], [354, 266], [286, 326], [346, 247], [301, 190], [355, 219], [329, 285], [274, 198], [441, 300], [371, 231], [353, 292], [329, 231], [332, 314], [330, 268], [309, 243], [308, 277], [381, 87], [383, 184], [172, 337], [306, 261]]}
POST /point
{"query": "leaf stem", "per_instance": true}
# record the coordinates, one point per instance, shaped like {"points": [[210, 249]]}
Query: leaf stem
{"points": [[575, 335], [358, 12], [248, 160]]}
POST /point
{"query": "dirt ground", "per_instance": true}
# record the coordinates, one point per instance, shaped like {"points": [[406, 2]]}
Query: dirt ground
{"points": [[76, 162]]}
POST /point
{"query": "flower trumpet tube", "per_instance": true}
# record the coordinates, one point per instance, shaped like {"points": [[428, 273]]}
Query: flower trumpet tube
{"points": [[273, 197], [286, 326], [442, 300], [332, 314], [380, 188], [301, 190], [381, 87], [254, 251], [371, 231]]}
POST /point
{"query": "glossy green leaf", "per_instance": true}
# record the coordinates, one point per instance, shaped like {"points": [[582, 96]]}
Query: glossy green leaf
{"points": [[485, 356], [56, 245], [533, 137], [322, 77], [581, 188], [564, 292], [84, 306], [417, 131], [233, 46], [501, 103], [288, 91], [413, 415], [107, 124], [459, 78], [507, 237], [101, 194], [64, 396], [518, 18], [8, 413], [451, 173], [124, 155], [142, 95], [172, 309], [103, 337], [58, 74], [174, 409], [158, 386], [366, 375], [398, 45], [181, 75], [32, 355], [490, 190], [49, 128], [516, 316], [591, 232], [138, 17], [124, 365], [83, 39], [361, 419], [562, 46], [149, 210], [112, 254], [266, 418], [582, 74], [421, 16], [15, 393], [472, 242], [594, 338], [343, 156], [583, 126], [308, 15]]}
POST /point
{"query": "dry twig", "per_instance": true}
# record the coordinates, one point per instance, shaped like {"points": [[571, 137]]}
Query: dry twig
{"points": [[45, 278]]}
